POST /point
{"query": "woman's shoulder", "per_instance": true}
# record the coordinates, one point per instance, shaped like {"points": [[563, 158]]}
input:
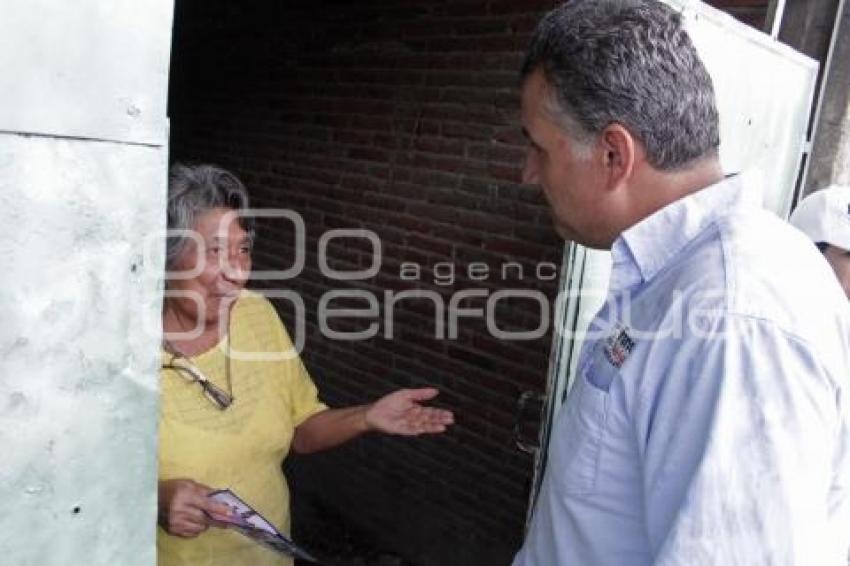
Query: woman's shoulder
{"points": [[250, 298], [254, 306], [253, 314]]}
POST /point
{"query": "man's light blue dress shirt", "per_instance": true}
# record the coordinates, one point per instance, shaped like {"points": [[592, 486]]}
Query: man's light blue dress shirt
{"points": [[710, 419]]}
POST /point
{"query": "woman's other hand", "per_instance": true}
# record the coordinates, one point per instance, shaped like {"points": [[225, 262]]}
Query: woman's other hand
{"points": [[400, 412], [185, 510]]}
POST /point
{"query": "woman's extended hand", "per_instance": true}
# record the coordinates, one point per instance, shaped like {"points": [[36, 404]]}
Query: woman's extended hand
{"points": [[184, 505], [400, 412]]}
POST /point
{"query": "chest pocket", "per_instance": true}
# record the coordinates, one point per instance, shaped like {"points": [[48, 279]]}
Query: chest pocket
{"points": [[576, 451]]}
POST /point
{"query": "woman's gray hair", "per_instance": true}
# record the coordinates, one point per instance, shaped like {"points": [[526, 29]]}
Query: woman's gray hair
{"points": [[194, 190], [629, 62]]}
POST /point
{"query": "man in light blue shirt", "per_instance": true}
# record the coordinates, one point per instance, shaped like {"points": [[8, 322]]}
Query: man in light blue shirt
{"points": [[710, 419]]}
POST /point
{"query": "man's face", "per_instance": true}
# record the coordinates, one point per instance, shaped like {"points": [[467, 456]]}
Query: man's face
{"points": [[839, 259], [562, 167]]}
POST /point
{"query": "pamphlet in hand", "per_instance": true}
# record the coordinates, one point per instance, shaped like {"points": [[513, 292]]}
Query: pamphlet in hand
{"points": [[251, 524]]}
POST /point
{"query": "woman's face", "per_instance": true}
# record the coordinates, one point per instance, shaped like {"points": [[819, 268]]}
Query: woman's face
{"points": [[218, 263]]}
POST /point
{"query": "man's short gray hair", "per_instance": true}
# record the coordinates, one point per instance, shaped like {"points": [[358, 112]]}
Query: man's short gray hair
{"points": [[628, 62], [194, 190]]}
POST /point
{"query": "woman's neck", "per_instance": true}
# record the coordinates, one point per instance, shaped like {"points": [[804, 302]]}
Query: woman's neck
{"points": [[176, 322]]}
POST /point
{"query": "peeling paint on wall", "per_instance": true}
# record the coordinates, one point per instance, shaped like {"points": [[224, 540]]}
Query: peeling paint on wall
{"points": [[80, 307]]}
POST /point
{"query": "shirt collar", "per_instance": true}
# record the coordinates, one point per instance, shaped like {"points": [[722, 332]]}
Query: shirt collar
{"points": [[645, 248]]}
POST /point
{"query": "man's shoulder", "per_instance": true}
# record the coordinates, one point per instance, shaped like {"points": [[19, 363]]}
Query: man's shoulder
{"points": [[767, 272], [753, 264], [775, 272], [754, 273]]}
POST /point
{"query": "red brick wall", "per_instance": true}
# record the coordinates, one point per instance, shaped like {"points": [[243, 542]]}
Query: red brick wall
{"points": [[400, 118]]}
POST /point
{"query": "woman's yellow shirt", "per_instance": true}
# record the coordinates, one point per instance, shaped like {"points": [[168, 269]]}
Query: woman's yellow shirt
{"points": [[242, 447]]}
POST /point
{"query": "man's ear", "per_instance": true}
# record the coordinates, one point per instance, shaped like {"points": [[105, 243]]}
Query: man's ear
{"points": [[619, 155]]}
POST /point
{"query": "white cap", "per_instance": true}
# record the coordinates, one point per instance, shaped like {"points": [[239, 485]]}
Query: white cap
{"points": [[824, 216]]}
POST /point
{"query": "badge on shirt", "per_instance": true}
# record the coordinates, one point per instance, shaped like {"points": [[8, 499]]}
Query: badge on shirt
{"points": [[618, 345]]}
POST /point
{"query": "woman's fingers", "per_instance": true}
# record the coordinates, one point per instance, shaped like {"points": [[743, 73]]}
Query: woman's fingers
{"points": [[443, 416], [218, 512], [422, 394], [188, 509], [211, 506], [437, 416], [187, 522], [428, 420], [401, 412]]}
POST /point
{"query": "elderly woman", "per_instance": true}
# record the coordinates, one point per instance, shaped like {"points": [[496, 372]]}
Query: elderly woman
{"points": [[233, 401]]}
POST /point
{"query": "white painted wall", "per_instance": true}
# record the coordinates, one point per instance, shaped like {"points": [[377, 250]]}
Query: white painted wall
{"points": [[82, 189], [87, 68]]}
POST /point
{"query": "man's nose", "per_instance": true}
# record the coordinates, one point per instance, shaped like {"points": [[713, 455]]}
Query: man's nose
{"points": [[531, 168]]}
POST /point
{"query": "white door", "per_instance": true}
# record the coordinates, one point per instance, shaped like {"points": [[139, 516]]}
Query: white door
{"points": [[764, 94]]}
